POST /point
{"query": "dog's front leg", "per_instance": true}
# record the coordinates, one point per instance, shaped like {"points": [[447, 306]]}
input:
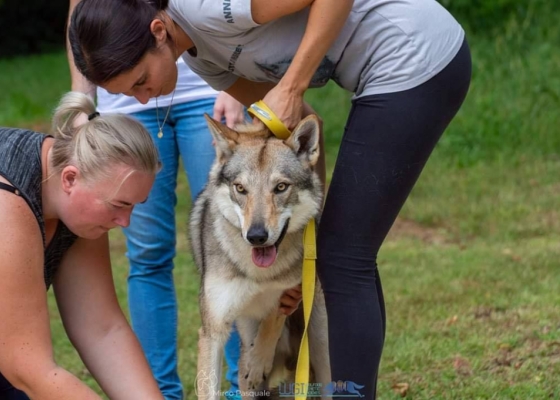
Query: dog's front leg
{"points": [[212, 336], [209, 369], [260, 355]]}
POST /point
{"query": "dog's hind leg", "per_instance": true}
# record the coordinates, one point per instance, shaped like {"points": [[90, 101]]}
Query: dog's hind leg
{"points": [[319, 341], [247, 328]]}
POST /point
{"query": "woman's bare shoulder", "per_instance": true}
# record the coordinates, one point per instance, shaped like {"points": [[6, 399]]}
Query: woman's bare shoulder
{"points": [[20, 229]]}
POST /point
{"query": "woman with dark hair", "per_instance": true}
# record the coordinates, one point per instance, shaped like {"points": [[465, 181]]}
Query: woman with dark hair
{"points": [[181, 135], [406, 61]]}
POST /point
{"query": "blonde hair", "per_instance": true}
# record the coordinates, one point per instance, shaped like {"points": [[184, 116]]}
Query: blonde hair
{"points": [[100, 143]]}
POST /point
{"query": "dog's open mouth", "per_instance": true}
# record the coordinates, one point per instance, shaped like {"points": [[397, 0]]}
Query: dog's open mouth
{"points": [[264, 257]]}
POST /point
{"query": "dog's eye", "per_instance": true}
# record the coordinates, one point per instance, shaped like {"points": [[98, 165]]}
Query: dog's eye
{"points": [[240, 188], [281, 187]]}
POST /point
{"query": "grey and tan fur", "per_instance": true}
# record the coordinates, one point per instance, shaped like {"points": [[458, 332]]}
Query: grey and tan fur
{"points": [[261, 193]]}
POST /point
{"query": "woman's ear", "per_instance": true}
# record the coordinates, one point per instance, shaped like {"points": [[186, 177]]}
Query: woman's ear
{"points": [[158, 29], [68, 178]]}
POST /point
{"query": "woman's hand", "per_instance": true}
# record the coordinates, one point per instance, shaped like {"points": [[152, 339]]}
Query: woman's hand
{"points": [[286, 104], [289, 302], [226, 107]]}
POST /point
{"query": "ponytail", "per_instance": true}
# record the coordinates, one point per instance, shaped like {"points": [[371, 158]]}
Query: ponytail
{"points": [[101, 141], [65, 118]]}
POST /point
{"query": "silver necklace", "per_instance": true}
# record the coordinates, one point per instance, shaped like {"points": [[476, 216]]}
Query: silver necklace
{"points": [[160, 133]]}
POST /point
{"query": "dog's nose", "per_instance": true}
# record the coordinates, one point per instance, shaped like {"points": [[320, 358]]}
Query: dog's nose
{"points": [[257, 235]]}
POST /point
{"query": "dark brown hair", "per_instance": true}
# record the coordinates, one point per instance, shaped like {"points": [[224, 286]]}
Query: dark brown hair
{"points": [[109, 37]]}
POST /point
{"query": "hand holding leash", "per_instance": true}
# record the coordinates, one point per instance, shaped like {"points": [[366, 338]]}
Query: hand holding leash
{"points": [[286, 104], [262, 112]]}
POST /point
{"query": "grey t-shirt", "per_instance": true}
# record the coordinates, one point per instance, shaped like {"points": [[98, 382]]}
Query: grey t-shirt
{"points": [[385, 45]]}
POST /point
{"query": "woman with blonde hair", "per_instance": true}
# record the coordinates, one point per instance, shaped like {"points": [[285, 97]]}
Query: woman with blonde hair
{"points": [[59, 196]]}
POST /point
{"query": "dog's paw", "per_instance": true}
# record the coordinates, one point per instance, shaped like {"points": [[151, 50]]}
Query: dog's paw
{"points": [[258, 367]]}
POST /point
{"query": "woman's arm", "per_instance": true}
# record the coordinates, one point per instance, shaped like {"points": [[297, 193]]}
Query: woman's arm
{"points": [[26, 354], [247, 92], [96, 326], [326, 19]]}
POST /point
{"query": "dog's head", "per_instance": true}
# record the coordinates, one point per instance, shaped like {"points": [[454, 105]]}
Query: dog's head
{"points": [[265, 186]]}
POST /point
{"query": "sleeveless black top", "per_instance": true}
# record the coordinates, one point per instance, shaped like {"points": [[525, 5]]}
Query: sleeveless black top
{"points": [[20, 164]]}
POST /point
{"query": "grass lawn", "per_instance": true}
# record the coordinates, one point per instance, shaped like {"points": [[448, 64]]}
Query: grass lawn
{"points": [[471, 268]]}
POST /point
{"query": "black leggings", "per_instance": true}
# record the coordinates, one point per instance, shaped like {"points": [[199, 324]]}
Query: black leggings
{"points": [[387, 141], [8, 392]]}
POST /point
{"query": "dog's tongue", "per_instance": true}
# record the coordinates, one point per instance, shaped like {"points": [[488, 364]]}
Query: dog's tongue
{"points": [[264, 256]]}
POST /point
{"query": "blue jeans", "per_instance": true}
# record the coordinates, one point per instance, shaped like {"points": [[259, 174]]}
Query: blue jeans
{"points": [[151, 240]]}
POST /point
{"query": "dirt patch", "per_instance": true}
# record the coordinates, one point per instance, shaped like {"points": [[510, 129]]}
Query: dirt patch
{"points": [[406, 228], [483, 312], [532, 350], [551, 219]]}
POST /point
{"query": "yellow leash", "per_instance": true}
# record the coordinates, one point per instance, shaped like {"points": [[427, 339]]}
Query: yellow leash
{"points": [[308, 291], [265, 114], [272, 122]]}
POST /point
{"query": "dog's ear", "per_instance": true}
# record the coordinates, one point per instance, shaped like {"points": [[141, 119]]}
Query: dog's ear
{"points": [[304, 140], [225, 139]]}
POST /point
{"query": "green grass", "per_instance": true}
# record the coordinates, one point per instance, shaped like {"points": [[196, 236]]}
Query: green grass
{"points": [[31, 87], [470, 270]]}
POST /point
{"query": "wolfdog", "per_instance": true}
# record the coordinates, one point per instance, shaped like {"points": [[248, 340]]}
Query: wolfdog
{"points": [[246, 230]]}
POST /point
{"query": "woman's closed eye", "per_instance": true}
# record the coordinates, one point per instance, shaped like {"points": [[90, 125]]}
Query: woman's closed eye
{"points": [[125, 204], [141, 81]]}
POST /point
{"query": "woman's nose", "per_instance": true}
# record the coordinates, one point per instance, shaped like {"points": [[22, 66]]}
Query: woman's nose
{"points": [[142, 97], [123, 219]]}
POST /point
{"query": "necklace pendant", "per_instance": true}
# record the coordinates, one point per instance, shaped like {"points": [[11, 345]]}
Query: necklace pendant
{"points": [[160, 134]]}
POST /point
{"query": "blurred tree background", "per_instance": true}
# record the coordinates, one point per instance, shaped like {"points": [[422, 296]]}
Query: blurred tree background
{"points": [[31, 26]]}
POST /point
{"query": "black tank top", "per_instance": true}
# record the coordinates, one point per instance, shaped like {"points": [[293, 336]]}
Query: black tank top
{"points": [[20, 164]]}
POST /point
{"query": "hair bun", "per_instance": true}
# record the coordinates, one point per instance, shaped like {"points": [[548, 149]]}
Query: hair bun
{"points": [[161, 4]]}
